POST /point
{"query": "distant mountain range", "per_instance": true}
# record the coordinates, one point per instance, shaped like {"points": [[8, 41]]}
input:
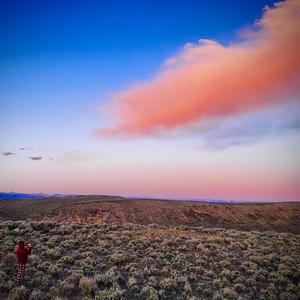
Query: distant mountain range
{"points": [[13, 195], [196, 200]]}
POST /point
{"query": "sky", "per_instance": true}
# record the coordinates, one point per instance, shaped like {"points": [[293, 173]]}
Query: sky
{"points": [[169, 99]]}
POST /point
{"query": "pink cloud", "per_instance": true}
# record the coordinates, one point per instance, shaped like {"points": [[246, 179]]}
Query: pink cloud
{"points": [[208, 79]]}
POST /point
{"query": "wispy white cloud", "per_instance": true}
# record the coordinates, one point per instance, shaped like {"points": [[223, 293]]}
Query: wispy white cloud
{"points": [[75, 156]]}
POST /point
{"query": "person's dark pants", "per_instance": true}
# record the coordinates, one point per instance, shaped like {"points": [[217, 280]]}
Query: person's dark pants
{"points": [[20, 273]]}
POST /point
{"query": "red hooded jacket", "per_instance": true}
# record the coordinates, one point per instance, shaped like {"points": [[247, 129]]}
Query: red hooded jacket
{"points": [[23, 252]]}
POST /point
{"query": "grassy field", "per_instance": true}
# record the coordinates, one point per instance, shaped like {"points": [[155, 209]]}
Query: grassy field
{"points": [[130, 261]]}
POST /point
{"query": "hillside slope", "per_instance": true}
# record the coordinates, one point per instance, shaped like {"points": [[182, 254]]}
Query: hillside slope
{"points": [[280, 217]]}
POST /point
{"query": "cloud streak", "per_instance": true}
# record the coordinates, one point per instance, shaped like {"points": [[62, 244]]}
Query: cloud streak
{"points": [[8, 153], [209, 80], [35, 157], [75, 156], [250, 128]]}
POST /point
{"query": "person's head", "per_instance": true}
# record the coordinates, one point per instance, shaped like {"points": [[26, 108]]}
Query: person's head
{"points": [[21, 244]]}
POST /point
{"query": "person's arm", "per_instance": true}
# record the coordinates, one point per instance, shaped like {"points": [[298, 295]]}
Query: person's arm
{"points": [[29, 249]]}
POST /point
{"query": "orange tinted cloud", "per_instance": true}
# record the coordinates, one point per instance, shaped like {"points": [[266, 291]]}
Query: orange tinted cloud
{"points": [[209, 79]]}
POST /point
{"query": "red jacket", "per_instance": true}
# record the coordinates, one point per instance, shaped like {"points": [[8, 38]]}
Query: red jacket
{"points": [[23, 252]]}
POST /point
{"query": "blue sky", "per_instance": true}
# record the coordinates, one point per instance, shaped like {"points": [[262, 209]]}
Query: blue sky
{"points": [[61, 60], [73, 54]]}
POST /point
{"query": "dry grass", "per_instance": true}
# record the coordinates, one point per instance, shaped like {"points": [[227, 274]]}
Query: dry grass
{"points": [[113, 261]]}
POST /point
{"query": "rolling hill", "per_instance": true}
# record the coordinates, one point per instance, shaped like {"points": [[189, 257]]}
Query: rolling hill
{"points": [[280, 217]]}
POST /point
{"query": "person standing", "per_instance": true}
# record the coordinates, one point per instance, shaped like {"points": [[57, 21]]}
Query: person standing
{"points": [[22, 253]]}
